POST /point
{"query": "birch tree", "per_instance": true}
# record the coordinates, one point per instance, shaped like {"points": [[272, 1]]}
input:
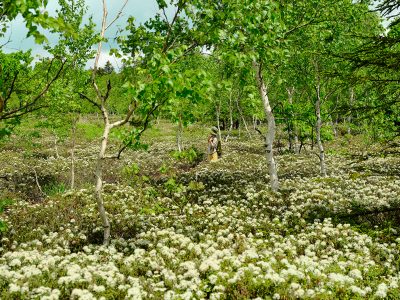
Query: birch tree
{"points": [[249, 35], [100, 102], [155, 80]]}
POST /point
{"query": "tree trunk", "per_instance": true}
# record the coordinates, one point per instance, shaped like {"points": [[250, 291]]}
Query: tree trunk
{"points": [[293, 138], [99, 183], [230, 117], [99, 165], [312, 138], [274, 182], [318, 126], [350, 104], [301, 145], [242, 117], [74, 121], [334, 129], [107, 127], [218, 112], [179, 134], [55, 144]]}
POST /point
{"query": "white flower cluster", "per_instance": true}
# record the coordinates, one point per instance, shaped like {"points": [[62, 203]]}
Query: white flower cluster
{"points": [[226, 238]]}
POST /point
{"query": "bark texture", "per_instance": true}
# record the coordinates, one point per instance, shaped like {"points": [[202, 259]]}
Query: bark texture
{"points": [[230, 117], [99, 183], [318, 126], [349, 119], [74, 121], [270, 137], [293, 138]]}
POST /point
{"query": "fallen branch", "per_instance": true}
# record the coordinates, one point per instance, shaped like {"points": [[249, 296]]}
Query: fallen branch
{"points": [[37, 182]]}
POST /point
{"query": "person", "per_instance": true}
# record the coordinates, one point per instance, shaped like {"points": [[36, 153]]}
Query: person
{"points": [[212, 145]]}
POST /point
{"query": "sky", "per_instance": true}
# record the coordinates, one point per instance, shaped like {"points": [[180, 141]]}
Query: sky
{"points": [[142, 10]]}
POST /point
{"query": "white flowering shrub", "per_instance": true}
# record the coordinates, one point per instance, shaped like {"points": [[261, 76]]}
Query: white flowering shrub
{"points": [[213, 231]]}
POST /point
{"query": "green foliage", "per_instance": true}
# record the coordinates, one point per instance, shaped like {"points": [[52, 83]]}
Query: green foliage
{"points": [[54, 189], [151, 193], [196, 186], [64, 102], [8, 126], [33, 15], [131, 176], [171, 186], [357, 175], [299, 47], [159, 70], [191, 155], [154, 209], [17, 98], [131, 171], [131, 137], [164, 169], [13, 66]]}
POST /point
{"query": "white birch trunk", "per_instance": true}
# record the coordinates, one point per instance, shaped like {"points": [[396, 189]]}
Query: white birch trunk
{"points": [[291, 130], [334, 130], [218, 112], [55, 144], [99, 182], [351, 104], [74, 121], [318, 126], [336, 126], [230, 117], [99, 165], [296, 144], [107, 127], [270, 136]]}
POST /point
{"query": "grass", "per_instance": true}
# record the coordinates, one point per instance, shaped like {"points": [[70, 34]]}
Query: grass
{"points": [[89, 131]]}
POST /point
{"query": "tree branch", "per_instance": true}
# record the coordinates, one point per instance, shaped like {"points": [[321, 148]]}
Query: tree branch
{"points": [[96, 61], [146, 123], [9, 93], [166, 46], [19, 112], [83, 96], [118, 14], [108, 90], [10, 114], [127, 117]]}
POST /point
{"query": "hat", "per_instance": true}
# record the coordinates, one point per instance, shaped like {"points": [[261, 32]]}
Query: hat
{"points": [[214, 130]]}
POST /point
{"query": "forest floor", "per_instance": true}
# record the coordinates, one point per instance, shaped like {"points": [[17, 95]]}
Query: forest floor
{"points": [[183, 228]]}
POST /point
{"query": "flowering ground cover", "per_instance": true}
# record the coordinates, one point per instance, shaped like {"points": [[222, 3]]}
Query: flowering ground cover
{"points": [[186, 229]]}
